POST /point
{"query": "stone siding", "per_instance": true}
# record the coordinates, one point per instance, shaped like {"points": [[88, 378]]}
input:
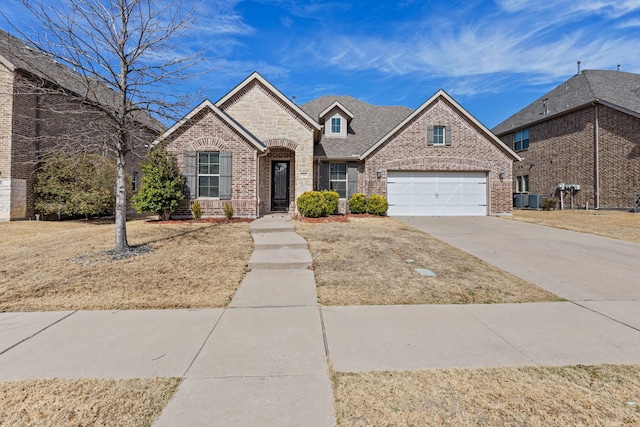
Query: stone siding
{"points": [[264, 114]]}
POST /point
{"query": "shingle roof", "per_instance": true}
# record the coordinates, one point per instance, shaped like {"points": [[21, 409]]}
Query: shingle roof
{"points": [[616, 88], [22, 57], [370, 123]]}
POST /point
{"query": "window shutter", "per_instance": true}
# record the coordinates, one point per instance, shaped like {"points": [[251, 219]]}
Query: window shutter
{"points": [[190, 175], [429, 135], [352, 178], [323, 181], [447, 135], [225, 175]]}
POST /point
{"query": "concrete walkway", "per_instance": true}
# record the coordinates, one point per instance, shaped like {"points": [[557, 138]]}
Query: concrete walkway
{"points": [[264, 364], [264, 360]]}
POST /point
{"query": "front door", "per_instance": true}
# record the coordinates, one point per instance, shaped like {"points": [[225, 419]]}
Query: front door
{"points": [[280, 186]]}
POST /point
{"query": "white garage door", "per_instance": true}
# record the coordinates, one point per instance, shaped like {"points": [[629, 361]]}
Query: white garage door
{"points": [[437, 193]]}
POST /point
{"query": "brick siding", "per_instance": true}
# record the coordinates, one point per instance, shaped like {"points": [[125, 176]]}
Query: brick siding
{"points": [[206, 132], [562, 149], [471, 150], [43, 120]]}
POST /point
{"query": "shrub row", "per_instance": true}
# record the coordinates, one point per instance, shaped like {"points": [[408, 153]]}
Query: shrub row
{"points": [[315, 204]]}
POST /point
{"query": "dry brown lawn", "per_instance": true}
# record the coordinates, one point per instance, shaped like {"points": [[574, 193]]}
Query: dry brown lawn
{"points": [[62, 265], [567, 396], [86, 402], [364, 261], [615, 224]]}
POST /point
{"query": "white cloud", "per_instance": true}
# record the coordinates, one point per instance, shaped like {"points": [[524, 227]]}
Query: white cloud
{"points": [[541, 46]]}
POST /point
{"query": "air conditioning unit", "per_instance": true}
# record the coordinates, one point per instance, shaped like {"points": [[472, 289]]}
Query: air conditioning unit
{"points": [[520, 200], [535, 200]]}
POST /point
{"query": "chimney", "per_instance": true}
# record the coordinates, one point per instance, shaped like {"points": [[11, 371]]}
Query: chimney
{"points": [[579, 62], [618, 67]]}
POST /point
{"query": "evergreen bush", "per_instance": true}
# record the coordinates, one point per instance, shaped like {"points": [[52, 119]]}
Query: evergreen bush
{"points": [[196, 210], [312, 204], [228, 210], [71, 185], [377, 205], [549, 204], [358, 204], [161, 185], [332, 198]]}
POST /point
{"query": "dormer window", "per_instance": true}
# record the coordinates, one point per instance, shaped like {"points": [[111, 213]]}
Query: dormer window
{"points": [[336, 125], [335, 120]]}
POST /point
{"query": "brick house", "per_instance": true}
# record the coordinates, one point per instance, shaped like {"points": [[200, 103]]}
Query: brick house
{"points": [[258, 150], [584, 133], [40, 112]]}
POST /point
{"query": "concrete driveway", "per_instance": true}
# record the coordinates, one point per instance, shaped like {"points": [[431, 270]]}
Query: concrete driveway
{"points": [[576, 266]]}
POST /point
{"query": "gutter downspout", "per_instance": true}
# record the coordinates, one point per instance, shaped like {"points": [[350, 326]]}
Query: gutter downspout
{"points": [[258, 156], [596, 147]]}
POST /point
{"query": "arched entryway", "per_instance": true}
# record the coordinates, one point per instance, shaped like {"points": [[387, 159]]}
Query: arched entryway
{"points": [[277, 177]]}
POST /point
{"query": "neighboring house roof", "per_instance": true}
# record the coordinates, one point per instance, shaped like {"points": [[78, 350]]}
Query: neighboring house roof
{"points": [[617, 89], [224, 116], [369, 124], [255, 76], [15, 54], [442, 94]]}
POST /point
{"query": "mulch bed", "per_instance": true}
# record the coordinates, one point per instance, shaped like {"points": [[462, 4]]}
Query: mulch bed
{"points": [[200, 221], [337, 218]]}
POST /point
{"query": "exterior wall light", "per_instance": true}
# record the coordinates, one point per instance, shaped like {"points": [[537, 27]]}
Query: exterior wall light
{"points": [[379, 173], [501, 173]]}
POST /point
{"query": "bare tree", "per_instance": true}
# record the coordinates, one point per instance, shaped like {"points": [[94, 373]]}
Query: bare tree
{"points": [[125, 64]]}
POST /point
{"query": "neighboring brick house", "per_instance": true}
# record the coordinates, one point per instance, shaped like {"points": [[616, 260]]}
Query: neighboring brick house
{"points": [[257, 150], [39, 113], [585, 133]]}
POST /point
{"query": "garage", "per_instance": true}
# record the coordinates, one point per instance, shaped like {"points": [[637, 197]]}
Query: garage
{"points": [[437, 193]]}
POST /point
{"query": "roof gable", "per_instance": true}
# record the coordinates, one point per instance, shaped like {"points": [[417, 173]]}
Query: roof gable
{"points": [[222, 115], [348, 114], [616, 89], [256, 77], [442, 94]]}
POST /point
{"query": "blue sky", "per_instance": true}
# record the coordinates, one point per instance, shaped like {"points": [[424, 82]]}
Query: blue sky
{"points": [[494, 57]]}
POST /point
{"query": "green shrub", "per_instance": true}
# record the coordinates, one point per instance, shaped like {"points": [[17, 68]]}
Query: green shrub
{"points": [[196, 210], [377, 205], [312, 204], [358, 204], [69, 185], [228, 210], [332, 198], [549, 204], [161, 185]]}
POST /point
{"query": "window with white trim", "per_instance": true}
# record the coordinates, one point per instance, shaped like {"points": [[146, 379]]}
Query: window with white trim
{"points": [[338, 178], [336, 125], [209, 174], [438, 135], [521, 140]]}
